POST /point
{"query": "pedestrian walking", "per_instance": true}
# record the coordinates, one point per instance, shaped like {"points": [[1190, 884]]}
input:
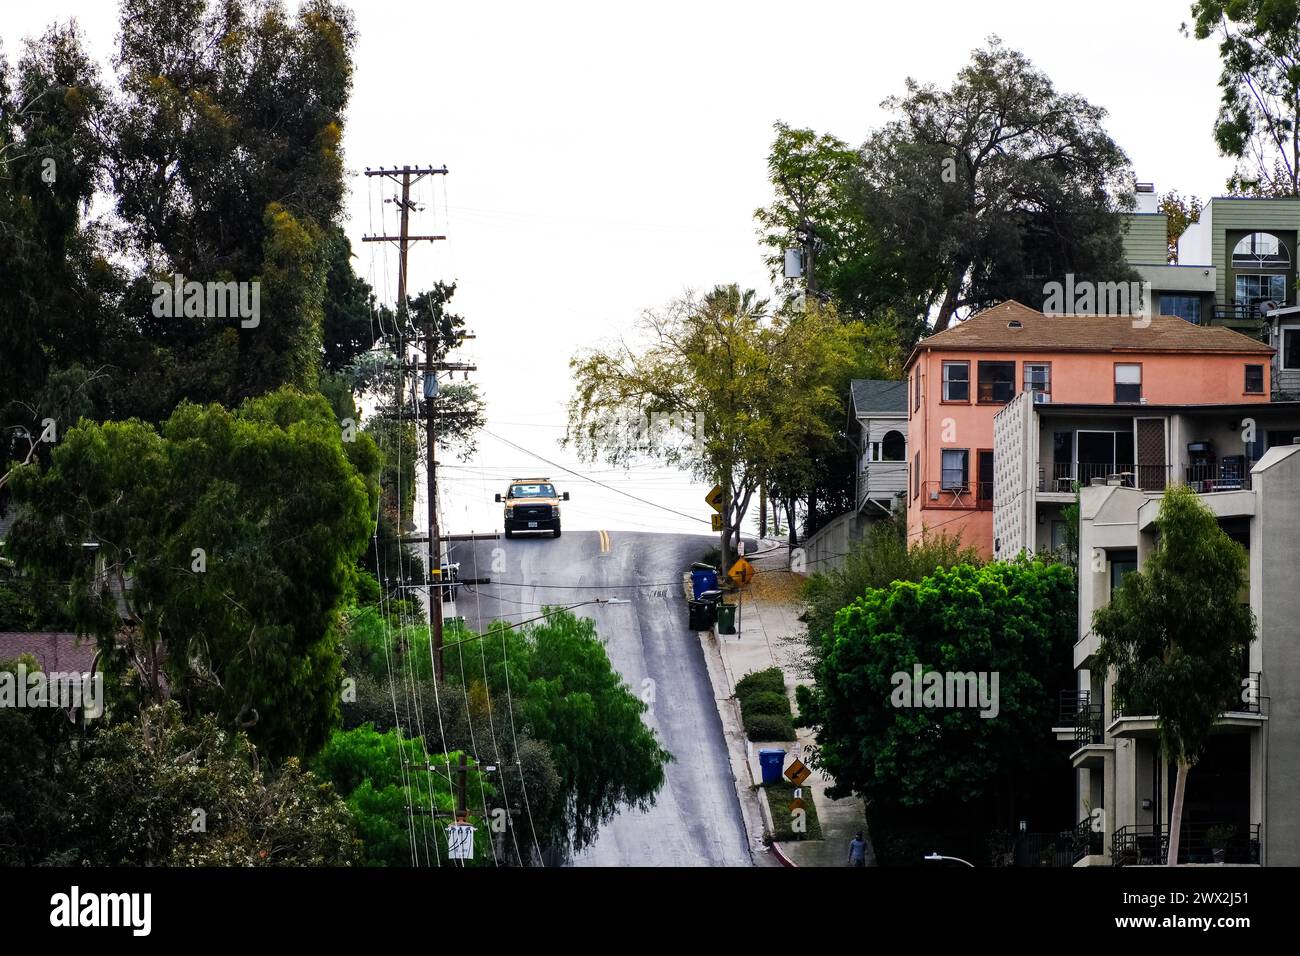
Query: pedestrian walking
{"points": [[858, 851]]}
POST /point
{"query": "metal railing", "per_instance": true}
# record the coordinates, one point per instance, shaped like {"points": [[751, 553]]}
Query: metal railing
{"points": [[959, 496], [1231, 474], [1069, 704], [1088, 726], [1246, 700], [1085, 841], [1147, 844], [1146, 477]]}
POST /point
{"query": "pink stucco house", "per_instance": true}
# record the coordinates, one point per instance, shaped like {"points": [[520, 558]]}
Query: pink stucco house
{"points": [[959, 379]]}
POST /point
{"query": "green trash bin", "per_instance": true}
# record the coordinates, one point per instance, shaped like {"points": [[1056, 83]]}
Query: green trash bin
{"points": [[726, 618]]}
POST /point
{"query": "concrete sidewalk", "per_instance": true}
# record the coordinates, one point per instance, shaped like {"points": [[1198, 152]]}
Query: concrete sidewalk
{"points": [[770, 635]]}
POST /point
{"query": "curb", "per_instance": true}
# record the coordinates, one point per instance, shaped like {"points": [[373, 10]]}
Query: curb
{"points": [[780, 855]]}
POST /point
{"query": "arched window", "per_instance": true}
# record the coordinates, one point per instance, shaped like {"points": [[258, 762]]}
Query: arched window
{"points": [[1261, 250], [893, 447]]}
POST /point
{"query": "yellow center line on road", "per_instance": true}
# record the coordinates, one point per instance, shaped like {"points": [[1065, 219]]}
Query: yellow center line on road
{"points": [[604, 542]]}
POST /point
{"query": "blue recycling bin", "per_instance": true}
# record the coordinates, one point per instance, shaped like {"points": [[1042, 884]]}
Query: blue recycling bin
{"points": [[703, 580], [771, 762]]}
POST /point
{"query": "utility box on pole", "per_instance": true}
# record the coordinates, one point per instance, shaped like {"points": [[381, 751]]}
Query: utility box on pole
{"points": [[794, 263]]}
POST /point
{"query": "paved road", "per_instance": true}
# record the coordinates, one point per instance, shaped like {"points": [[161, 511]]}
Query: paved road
{"points": [[696, 818]]}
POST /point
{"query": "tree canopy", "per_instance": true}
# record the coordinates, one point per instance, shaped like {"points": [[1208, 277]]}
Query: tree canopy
{"points": [[937, 758], [1259, 114], [224, 545]]}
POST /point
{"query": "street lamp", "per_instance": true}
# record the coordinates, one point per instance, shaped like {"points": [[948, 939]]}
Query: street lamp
{"points": [[936, 856]]}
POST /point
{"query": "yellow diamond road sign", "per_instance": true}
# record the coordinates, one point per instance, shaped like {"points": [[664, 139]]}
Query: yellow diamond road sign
{"points": [[797, 772], [742, 572], [714, 498]]}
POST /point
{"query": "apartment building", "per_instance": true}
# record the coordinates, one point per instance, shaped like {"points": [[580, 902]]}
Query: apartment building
{"points": [[1241, 797], [960, 379]]}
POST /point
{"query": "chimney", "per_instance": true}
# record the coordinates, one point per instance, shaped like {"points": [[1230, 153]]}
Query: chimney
{"points": [[1147, 201]]}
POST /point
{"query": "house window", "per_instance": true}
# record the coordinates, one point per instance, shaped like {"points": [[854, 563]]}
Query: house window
{"points": [[1059, 539], [1260, 250], [953, 469], [916, 390], [1291, 348], [956, 381], [1128, 383], [1121, 566], [893, 447], [997, 381], [916, 475], [1186, 307], [1254, 289], [1255, 379], [1038, 377]]}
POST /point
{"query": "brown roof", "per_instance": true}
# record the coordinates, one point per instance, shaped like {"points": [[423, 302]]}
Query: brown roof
{"points": [[56, 651], [989, 330]]}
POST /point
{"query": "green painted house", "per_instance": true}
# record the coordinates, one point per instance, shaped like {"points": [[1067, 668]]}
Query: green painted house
{"points": [[1233, 267]]}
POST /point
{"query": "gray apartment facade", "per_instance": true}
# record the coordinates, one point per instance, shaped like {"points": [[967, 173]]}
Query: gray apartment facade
{"points": [[1243, 461]]}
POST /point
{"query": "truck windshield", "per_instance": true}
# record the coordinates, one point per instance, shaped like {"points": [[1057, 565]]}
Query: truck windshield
{"points": [[532, 491]]}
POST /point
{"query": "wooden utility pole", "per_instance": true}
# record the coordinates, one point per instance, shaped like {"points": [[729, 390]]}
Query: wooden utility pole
{"points": [[405, 177]]}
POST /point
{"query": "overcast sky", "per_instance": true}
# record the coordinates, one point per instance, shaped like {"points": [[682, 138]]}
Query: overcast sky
{"points": [[606, 157]]}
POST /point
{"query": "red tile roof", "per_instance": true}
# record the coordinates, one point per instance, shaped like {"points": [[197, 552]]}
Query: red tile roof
{"points": [[990, 330]]}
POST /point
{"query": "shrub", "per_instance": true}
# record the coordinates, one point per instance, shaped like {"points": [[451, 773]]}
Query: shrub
{"points": [[767, 727], [770, 680], [766, 702]]}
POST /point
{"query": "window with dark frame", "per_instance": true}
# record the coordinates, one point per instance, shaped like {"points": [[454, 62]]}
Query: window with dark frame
{"points": [[956, 381], [1121, 566], [997, 382], [1291, 348], [1255, 379], [916, 475], [1128, 384]]}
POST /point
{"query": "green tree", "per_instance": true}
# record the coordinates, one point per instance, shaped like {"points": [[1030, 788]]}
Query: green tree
{"points": [[758, 393], [1177, 633], [1013, 620], [1259, 115], [350, 323], [58, 289], [576, 703], [226, 164], [989, 187], [391, 783], [1179, 213], [162, 791], [882, 557], [33, 802], [816, 208], [226, 544]]}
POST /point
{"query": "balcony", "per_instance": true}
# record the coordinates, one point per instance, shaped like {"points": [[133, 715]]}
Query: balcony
{"points": [[1246, 319], [1230, 474], [1069, 705], [1147, 844], [1066, 474], [952, 496], [1244, 702], [1242, 712]]}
